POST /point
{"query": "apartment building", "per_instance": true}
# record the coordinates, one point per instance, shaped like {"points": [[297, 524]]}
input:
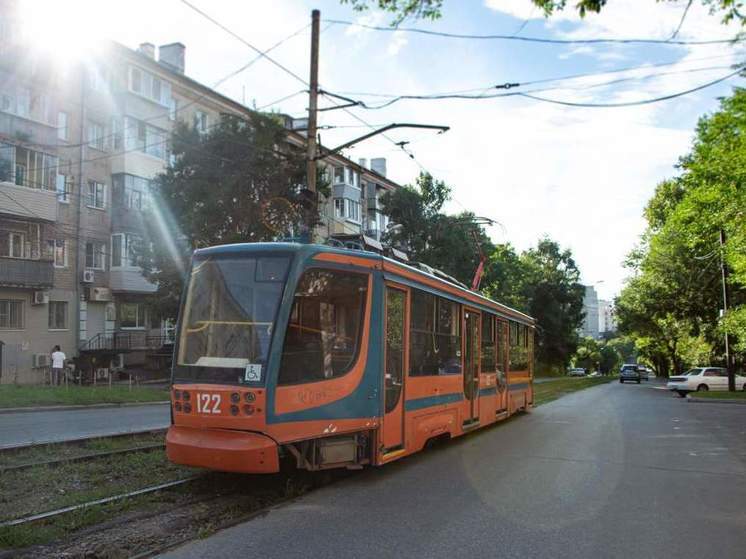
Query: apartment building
{"points": [[79, 149]]}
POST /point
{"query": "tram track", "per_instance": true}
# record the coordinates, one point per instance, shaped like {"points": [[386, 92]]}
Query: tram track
{"points": [[81, 458], [75, 440]]}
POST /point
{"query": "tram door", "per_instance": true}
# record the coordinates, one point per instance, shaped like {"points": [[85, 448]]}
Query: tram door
{"points": [[395, 359], [472, 321]]}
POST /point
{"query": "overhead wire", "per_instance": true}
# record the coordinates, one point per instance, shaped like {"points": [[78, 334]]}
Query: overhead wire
{"points": [[631, 103], [681, 21], [669, 41]]}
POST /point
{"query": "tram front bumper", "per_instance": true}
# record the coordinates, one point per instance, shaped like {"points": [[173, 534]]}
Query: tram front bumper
{"points": [[222, 450]]}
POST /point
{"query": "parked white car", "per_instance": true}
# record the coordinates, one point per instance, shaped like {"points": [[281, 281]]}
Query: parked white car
{"points": [[702, 379]]}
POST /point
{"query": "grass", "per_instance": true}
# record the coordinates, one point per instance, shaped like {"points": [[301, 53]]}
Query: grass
{"points": [[548, 391], [59, 451], [721, 395], [44, 488], [12, 396]]}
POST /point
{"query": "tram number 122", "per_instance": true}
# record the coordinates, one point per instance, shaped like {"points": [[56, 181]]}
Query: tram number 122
{"points": [[208, 403]]}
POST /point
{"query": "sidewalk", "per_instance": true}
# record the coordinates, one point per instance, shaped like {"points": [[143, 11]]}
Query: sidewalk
{"points": [[32, 409], [47, 426]]}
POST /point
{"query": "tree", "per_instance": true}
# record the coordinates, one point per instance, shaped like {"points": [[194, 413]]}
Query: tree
{"points": [[429, 236], [433, 9], [235, 183], [671, 305], [544, 283]]}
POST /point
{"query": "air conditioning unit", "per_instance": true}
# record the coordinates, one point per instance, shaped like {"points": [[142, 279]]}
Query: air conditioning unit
{"points": [[88, 276], [41, 360], [40, 298]]}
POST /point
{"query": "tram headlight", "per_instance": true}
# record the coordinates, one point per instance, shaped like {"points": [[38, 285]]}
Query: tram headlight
{"points": [[250, 396], [177, 406], [248, 409], [188, 408], [234, 409], [235, 397]]}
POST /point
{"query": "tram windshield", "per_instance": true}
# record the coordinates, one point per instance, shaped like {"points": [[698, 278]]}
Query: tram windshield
{"points": [[228, 318]]}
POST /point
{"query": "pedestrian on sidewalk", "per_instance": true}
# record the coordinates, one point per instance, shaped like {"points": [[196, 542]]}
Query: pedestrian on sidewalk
{"points": [[58, 365]]}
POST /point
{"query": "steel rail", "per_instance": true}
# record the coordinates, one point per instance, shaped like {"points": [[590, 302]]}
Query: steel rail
{"points": [[23, 446], [81, 458], [105, 500]]}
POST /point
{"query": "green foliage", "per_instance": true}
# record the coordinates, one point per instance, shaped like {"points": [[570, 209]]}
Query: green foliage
{"points": [[730, 10], [671, 304], [443, 241], [402, 9], [236, 183], [543, 282]]}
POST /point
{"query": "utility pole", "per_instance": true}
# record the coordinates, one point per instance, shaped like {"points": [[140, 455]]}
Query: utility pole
{"points": [[313, 94], [724, 276]]}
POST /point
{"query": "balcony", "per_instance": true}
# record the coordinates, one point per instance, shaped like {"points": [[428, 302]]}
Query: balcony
{"points": [[31, 274], [28, 203]]}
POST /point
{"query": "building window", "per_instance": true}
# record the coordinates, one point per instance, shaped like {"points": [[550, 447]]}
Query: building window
{"points": [[132, 315], [62, 126], [13, 245], [173, 107], [95, 133], [58, 251], [29, 168], [339, 207], [200, 121], [58, 315], [95, 252], [352, 210], [139, 136], [435, 340], [96, 196], [131, 192], [326, 322], [23, 106], [124, 250], [64, 188], [135, 80], [149, 86], [11, 314]]}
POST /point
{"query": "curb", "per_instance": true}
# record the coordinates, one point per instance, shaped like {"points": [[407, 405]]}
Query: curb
{"points": [[715, 401], [81, 407]]}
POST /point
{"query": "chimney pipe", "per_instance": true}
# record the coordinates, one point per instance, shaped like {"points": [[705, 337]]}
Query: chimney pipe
{"points": [[172, 56], [148, 49]]}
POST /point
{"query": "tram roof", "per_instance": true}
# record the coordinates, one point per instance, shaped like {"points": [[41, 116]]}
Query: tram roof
{"points": [[275, 247]]}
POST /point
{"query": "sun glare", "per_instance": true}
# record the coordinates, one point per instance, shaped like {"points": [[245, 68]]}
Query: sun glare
{"points": [[66, 29]]}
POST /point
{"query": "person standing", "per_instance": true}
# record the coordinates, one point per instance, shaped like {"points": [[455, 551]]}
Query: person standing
{"points": [[58, 365]]}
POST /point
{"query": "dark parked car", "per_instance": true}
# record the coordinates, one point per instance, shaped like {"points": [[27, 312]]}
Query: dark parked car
{"points": [[631, 372]]}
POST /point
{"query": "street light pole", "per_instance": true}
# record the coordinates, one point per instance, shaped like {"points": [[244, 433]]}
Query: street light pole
{"points": [[724, 277]]}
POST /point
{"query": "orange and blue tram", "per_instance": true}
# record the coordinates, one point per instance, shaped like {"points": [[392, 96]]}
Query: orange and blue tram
{"points": [[334, 358]]}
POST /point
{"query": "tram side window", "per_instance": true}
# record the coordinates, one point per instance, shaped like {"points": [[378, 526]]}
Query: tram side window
{"points": [[488, 343], [518, 347], [435, 340], [325, 327]]}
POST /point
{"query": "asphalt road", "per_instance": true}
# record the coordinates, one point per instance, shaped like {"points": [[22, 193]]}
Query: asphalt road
{"points": [[613, 471], [53, 426]]}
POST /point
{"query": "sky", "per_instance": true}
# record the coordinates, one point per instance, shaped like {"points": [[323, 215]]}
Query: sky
{"points": [[581, 176]]}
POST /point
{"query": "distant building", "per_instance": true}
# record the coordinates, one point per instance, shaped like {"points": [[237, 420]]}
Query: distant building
{"points": [[606, 317], [590, 326]]}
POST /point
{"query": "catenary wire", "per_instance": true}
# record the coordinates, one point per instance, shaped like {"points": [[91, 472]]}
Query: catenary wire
{"points": [[532, 39], [631, 103]]}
